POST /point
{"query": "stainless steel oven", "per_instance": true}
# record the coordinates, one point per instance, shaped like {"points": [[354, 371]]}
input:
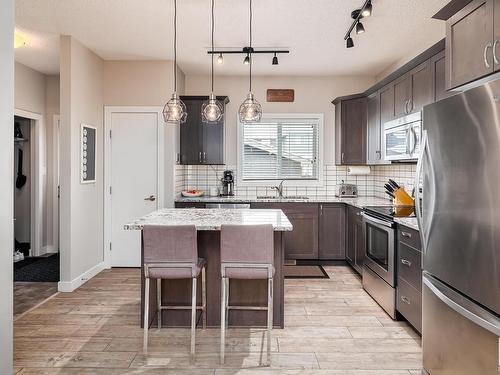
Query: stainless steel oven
{"points": [[402, 138], [379, 267], [380, 247]]}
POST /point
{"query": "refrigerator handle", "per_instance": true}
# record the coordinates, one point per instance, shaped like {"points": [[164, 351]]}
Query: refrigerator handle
{"points": [[418, 207], [463, 306]]}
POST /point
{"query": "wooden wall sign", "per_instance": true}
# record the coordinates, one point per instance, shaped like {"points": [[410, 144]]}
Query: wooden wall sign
{"points": [[280, 95]]}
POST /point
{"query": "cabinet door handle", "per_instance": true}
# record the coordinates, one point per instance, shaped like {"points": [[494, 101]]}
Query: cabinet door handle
{"points": [[342, 158], [199, 157], [321, 210], [406, 262], [410, 105], [406, 107], [405, 300], [406, 234], [485, 55], [494, 48], [204, 156]]}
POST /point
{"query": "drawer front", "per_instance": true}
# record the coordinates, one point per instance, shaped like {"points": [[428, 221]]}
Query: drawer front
{"points": [[189, 205], [410, 265], [409, 237], [409, 304]]}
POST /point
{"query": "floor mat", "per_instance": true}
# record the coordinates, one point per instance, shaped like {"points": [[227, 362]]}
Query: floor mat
{"points": [[305, 272], [39, 269]]}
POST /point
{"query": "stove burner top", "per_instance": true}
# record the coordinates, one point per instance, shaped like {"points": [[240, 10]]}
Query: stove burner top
{"points": [[390, 212]]}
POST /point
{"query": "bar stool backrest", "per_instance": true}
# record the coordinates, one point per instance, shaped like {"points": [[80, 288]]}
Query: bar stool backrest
{"points": [[163, 244], [247, 244]]}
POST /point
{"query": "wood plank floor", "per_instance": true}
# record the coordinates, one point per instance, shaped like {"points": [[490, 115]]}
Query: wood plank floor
{"points": [[332, 327], [29, 294]]}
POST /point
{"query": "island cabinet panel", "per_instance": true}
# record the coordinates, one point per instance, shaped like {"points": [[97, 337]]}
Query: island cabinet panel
{"points": [[331, 231], [470, 36], [302, 242], [355, 252]]}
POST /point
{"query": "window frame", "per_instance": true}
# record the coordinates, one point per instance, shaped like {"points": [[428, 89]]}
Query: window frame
{"points": [[313, 182]]}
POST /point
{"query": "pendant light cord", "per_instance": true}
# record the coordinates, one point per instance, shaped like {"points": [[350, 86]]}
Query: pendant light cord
{"points": [[251, 45], [175, 45], [212, 55]]}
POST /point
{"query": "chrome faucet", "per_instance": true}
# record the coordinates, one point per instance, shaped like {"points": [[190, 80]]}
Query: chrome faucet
{"points": [[279, 188]]}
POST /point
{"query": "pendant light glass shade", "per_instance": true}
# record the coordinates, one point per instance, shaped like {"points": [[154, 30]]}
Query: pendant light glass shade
{"points": [[250, 110], [174, 111], [212, 110]]}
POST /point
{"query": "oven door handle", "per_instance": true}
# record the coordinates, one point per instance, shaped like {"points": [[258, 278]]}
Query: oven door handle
{"points": [[376, 221]]}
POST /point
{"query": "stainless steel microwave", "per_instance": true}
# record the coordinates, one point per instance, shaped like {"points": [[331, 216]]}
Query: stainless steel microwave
{"points": [[402, 138]]}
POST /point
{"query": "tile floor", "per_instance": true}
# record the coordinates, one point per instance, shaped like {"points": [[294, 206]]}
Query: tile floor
{"points": [[332, 327], [27, 295]]}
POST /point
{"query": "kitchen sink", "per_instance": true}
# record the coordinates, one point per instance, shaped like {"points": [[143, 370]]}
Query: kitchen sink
{"points": [[298, 197]]}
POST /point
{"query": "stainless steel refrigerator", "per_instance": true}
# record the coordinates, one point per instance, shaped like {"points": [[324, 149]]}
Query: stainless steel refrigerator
{"points": [[459, 215]]}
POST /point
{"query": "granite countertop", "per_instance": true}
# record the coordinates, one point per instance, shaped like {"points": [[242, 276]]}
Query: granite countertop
{"points": [[410, 222], [212, 219], [357, 202]]}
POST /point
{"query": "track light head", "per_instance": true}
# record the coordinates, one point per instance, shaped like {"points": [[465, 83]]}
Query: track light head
{"points": [[349, 42], [247, 60], [275, 60], [220, 59], [360, 29], [367, 11]]}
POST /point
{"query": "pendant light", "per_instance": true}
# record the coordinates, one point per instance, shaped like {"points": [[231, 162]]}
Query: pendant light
{"points": [[211, 109], [174, 111], [250, 110]]}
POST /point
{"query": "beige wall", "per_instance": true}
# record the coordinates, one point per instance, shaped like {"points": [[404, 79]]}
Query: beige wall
{"points": [[7, 183], [81, 204], [312, 95]]}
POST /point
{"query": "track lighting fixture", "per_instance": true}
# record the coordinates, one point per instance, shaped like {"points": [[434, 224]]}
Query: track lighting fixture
{"points": [[357, 15], [220, 59], [360, 29], [367, 10], [247, 60], [275, 60], [349, 42]]}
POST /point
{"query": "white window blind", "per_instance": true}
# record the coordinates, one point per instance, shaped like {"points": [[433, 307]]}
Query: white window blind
{"points": [[280, 149]]}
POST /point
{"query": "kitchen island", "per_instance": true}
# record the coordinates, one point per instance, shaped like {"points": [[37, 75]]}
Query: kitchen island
{"points": [[208, 223]]}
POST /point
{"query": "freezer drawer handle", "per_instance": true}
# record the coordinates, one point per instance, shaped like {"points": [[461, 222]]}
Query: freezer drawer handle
{"points": [[405, 300], [463, 306], [406, 262], [406, 234]]}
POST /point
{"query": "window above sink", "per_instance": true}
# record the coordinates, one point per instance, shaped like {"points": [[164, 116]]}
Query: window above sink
{"points": [[285, 147]]}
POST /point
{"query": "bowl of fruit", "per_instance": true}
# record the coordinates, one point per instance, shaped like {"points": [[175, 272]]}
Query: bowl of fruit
{"points": [[192, 193]]}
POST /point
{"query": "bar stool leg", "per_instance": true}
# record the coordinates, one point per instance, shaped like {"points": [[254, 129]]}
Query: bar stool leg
{"points": [[193, 317], [158, 301], [269, 318], [146, 315], [223, 320], [204, 296]]}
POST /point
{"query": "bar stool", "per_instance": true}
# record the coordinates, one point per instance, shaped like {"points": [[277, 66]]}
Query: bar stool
{"points": [[247, 252], [171, 252]]}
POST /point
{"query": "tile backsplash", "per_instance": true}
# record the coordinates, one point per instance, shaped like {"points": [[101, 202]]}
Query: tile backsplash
{"points": [[205, 176]]}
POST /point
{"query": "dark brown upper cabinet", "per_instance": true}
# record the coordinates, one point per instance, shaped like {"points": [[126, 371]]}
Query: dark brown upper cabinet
{"points": [[374, 131], [413, 90], [472, 38], [201, 143], [438, 71], [332, 231], [386, 104], [350, 131]]}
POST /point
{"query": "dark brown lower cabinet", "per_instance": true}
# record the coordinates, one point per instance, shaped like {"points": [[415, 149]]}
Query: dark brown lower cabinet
{"points": [[409, 283], [332, 231], [355, 249], [302, 242]]}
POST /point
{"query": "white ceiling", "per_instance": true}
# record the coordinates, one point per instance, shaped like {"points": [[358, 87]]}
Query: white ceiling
{"points": [[313, 30]]}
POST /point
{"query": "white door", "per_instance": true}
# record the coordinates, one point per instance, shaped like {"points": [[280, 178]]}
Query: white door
{"points": [[134, 180]]}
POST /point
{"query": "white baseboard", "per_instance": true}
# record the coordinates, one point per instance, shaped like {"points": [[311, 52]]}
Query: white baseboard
{"points": [[69, 286], [49, 249]]}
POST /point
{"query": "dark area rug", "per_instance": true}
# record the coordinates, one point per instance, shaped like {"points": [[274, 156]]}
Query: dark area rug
{"points": [[38, 269], [305, 272]]}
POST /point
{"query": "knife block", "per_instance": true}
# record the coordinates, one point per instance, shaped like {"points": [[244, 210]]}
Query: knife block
{"points": [[402, 198]]}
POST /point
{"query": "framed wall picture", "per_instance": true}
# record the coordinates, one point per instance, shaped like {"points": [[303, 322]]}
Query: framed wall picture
{"points": [[88, 143]]}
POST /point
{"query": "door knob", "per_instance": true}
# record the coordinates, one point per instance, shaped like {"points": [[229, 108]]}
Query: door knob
{"points": [[151, 198]]}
